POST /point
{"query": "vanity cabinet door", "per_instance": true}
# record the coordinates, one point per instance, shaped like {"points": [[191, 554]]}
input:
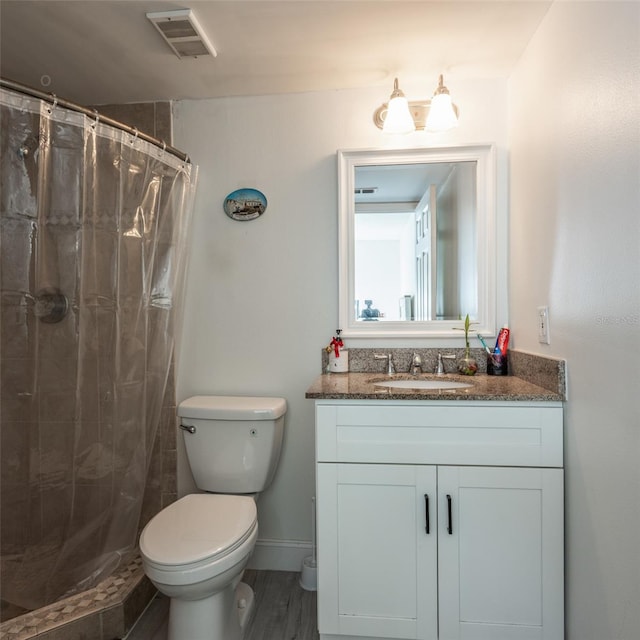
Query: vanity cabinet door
{"points": [[500, 553], [377, 550]]}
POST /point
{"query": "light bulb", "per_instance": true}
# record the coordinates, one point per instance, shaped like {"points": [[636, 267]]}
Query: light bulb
{"points": [[398, 118], [442, 115]]}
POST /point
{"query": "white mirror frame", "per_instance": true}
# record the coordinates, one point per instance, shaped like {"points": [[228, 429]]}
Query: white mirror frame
{"points": [[485, 157]]}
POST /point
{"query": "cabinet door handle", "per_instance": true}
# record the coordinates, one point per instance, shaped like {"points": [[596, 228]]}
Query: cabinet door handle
{"points": [[449, 526], [426, 513]]}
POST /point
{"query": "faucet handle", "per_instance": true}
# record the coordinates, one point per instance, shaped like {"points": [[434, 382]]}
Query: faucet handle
{"points": [[391, 368], [440, 365], [386, 356]]}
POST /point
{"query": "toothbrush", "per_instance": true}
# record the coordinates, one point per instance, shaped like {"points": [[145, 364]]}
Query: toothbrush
{"points": [[486, 348], [484, 344]]}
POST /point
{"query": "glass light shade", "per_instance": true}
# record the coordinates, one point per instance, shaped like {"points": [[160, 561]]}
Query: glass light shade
{"points": [[441, 114], [398, 118]]}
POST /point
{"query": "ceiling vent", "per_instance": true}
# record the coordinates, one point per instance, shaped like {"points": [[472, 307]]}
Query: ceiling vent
{"points": [[365, 191], [183, 33]]}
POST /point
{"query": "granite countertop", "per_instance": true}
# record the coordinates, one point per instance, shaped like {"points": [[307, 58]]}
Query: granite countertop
{"points": [[359, 386]]}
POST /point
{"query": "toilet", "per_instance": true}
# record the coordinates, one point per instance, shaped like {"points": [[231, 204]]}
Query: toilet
{"points": [[196, 549]]}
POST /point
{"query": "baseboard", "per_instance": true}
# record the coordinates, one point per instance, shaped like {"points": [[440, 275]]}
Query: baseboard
{"points": [[279, 555]]}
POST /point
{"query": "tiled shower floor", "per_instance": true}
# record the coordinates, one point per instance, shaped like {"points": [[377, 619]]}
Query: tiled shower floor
{"points": [[8, 611], [105, 612]]}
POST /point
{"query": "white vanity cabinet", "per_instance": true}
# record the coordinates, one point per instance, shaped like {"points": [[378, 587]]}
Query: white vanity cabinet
{"points": [[439, 520]]}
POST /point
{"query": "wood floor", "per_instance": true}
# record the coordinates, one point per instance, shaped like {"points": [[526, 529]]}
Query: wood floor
{"points": [[283, 610]]}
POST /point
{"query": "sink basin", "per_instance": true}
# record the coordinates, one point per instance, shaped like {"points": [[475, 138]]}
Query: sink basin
{"points": [[420, 383]]}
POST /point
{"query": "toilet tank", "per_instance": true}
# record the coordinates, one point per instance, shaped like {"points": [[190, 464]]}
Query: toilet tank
{"points": [[233, 443]]}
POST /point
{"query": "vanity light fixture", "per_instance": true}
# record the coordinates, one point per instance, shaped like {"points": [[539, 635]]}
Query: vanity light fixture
{"points": [[443, 114], [398, 118], [183, 33], [401, 116]]}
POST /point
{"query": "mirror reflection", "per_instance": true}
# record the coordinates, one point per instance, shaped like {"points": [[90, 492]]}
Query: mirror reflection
{"points": [[416, 245], [415, 253]]}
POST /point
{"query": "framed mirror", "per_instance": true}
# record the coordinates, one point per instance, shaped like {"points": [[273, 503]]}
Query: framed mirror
{"points": [[417, 243]]}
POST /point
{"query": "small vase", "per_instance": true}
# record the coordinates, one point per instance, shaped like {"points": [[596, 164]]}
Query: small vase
{"points": [[467, 366]]}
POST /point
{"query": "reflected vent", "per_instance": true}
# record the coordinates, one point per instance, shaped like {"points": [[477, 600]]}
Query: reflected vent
{"points": [[359, 191], [183, 33]]}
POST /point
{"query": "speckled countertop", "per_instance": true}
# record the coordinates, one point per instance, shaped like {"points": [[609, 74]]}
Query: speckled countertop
{"points": [[359, 386], [532, 378]]}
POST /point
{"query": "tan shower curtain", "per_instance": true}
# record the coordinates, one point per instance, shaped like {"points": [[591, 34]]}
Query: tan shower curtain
{"points": [[95, 219]]}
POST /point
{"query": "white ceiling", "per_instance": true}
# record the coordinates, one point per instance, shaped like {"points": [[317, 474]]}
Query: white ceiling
{"points": [[98, 52]]}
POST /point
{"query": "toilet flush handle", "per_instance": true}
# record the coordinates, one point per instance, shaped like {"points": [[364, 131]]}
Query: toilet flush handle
{"points": [[188, 427]]}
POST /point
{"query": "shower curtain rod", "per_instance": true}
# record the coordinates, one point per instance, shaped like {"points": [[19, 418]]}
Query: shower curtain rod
{"points": [[53, 99]]}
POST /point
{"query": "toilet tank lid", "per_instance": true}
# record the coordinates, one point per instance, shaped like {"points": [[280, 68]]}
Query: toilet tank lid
{"points": [[232, 408]]}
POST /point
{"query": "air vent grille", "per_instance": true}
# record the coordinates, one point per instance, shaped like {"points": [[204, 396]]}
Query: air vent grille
{"points": [[361, 191], [177, 29], [182, 32]]}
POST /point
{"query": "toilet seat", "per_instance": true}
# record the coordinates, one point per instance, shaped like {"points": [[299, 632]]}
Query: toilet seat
{"points": [[198, 530]]}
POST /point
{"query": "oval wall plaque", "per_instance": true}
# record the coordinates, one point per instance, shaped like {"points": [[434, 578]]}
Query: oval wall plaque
{"points": [[245, 204]]}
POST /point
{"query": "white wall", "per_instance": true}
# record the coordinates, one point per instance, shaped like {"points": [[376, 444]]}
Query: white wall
{"points": [[261, 298], [574, 134]]}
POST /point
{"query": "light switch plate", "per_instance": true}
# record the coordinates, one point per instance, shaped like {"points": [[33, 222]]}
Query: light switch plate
{"points": [[543, 325]]}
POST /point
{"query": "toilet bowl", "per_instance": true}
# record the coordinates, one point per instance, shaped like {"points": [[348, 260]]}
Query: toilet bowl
{"points": [[195, 550]]}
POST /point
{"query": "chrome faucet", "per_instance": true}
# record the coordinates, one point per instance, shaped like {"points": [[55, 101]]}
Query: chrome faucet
{"points": [[390, 366], [440, 365], [416, 364]]}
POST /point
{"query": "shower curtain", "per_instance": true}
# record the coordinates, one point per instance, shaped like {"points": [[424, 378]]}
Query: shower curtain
{"points": [[93, 229]]}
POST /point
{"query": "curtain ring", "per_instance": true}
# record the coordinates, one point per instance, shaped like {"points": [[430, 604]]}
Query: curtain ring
{"points": [[97, 120], [54, 103], [164, 146]]}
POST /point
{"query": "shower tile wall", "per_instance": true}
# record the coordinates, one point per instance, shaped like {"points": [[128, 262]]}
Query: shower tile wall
{"points": [[28, 428], [154, 119], [161, 484]]}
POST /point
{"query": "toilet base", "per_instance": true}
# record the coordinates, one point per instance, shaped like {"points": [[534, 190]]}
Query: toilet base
{"points": [[210, 618], [244, 605]]}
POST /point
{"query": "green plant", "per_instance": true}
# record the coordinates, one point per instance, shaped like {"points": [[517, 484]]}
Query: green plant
{"points": [[467, 325], [467, 365]]}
